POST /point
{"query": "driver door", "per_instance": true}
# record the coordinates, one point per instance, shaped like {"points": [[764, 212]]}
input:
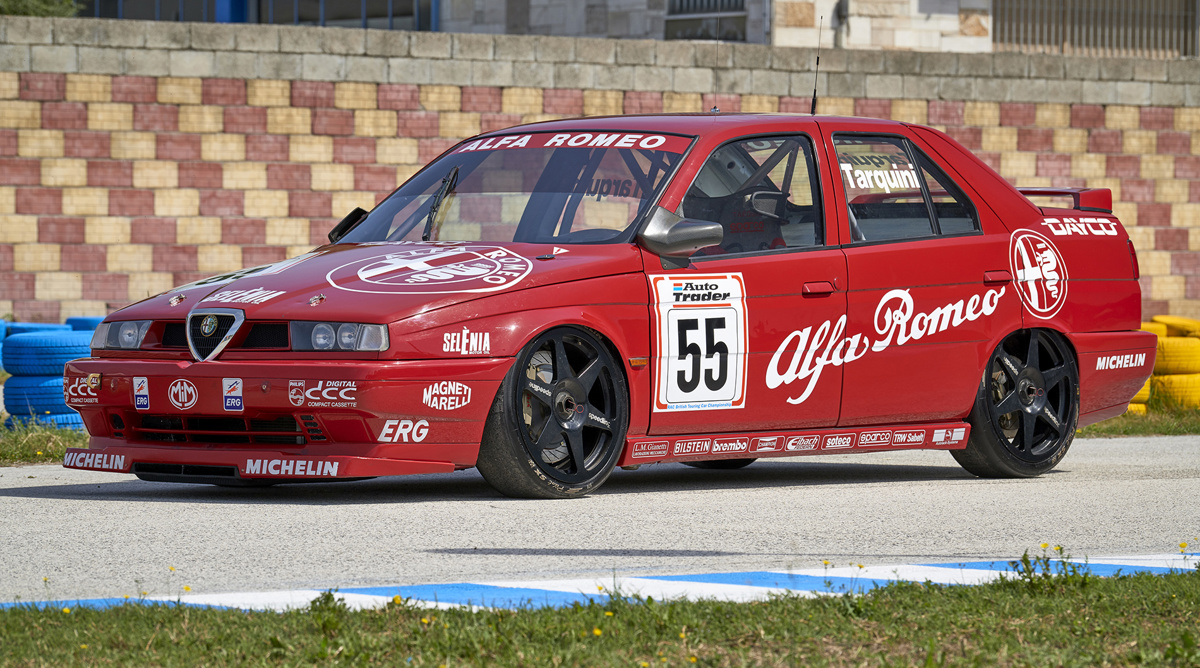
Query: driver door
{"points": [[741, 332]]}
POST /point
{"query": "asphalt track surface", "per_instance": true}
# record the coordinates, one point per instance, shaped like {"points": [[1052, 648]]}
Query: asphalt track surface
{"points": [[111, 535]]}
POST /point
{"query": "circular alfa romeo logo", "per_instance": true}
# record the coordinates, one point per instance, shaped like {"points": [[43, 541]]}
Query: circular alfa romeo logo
{"points": [[426, 270], [1040, 273], [182, 394], [208, 325]]}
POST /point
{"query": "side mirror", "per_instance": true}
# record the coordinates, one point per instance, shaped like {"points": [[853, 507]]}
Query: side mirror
{"points": [[668, 235], [343, 228]]}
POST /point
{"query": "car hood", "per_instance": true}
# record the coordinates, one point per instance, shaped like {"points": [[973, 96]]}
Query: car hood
{"points": [[386, 282]]}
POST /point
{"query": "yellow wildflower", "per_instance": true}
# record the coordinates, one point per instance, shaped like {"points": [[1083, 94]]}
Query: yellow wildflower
{"points": [[596, 631]]}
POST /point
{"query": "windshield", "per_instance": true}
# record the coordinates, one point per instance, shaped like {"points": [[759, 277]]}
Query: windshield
{"points": [[547, 187]]}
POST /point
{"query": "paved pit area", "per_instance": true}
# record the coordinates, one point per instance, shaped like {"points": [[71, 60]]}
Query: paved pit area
{"points": [[110, 535]]}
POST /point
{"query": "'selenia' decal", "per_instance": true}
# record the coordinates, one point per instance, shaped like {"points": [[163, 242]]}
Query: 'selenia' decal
{"points": [[1039, 273], [426, 270], [895, 322]]}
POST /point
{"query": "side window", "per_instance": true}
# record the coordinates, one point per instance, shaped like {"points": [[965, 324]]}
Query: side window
{"points": [[953, 210], [763, 192], [889, 198]]}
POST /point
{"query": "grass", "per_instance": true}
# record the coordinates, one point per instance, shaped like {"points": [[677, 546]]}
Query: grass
{"points": [[1048, 614], [38, 444], [1161, 419]]}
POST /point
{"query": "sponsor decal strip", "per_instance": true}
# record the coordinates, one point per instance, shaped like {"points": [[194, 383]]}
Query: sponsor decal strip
{"points": [[744, 586], [783, 444]]}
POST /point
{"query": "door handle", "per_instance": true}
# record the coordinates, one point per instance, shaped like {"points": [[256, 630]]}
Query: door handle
{"points": [[996, 277], [818, 288]]}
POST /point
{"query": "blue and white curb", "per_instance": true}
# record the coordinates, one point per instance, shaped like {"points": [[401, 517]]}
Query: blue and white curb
{"points": [[740, 587]]}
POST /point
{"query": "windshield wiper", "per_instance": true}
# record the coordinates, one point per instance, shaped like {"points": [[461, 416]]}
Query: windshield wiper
{"points": [[448, 183]]}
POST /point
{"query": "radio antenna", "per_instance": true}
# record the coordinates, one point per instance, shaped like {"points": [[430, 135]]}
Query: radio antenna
{"points": [[820, 29]]}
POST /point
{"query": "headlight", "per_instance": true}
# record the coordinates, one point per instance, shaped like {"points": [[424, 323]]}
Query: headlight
{"points": [[338, 336], [126, 335], [322, 336]]}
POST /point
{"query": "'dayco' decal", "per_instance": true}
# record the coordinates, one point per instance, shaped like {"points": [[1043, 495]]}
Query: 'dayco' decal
{"points": [[1040, 273], [425, 270]]}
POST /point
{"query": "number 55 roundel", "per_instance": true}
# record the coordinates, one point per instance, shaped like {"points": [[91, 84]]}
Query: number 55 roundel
{"points": [[701, 330]]}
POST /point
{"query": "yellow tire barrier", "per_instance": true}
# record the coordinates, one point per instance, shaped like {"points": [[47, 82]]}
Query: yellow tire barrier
{"points": [[1136, 409], [1181, 389], [1143, 394], [1178, 326], [1177, 354], [1156, 328]]}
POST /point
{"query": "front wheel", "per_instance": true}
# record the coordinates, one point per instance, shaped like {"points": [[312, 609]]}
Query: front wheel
{"points": [[1026, 410], [557, 425]]}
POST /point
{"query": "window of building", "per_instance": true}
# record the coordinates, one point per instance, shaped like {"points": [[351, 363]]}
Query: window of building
{"points": [[723, 20]]}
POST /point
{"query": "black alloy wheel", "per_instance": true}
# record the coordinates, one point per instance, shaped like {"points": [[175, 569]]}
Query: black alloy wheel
{"points": [[1027, 407], [558, 424]]}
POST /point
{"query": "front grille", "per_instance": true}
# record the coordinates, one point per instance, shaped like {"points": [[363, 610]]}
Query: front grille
{"points": [[267, 335], [174, 335], [262, 429], [204, 345]]}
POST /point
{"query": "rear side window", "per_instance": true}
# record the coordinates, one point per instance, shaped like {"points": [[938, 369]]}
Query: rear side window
{"points": [[894, 192]]}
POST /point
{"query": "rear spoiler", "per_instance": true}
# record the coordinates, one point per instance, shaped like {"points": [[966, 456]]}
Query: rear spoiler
{"points": [[1085, 199]]}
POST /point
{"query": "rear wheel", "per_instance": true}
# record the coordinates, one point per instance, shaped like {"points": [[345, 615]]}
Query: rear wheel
{"points": [[557, 425], [1026, 410]]}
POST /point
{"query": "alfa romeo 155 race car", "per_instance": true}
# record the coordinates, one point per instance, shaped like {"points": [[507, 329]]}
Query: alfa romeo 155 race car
{"points": [[551, 301]]}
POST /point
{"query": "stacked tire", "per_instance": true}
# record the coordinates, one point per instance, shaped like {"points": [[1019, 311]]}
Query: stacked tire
{"points": [[35, 354], [1177, 367]]}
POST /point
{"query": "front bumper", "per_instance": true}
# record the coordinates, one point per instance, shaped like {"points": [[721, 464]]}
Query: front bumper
{"points": [[286, 420]]}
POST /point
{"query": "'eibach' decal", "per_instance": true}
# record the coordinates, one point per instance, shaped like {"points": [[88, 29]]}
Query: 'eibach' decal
{"points": [[701, 330]]}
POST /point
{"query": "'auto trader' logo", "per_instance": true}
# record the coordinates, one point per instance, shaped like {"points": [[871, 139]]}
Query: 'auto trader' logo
{"points": [[1041, 274], [423, 269]]}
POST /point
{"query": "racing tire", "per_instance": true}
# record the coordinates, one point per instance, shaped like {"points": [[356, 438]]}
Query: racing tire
{"points": [[1176, 355], [15, 328], [1155, 328], [1026, 409], [84, 323], [60, 420], [1143, 394], [723, 464], [1181, 390], [557, 426], [1177, 325], [34, 395], [44, 353]]}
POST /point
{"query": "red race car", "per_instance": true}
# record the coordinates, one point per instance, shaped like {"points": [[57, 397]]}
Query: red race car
{"points": [[551, 301]]}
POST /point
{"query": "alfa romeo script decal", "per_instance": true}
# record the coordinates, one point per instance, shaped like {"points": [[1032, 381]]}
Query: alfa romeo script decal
{"points": [[427, 270], [701, 331]]}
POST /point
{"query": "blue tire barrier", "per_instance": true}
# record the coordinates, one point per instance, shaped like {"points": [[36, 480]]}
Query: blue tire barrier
{"points": [[3, 328], [61, 420], [44, 353], [1, 355], [34, 395], [27, 327], [84, 323]]}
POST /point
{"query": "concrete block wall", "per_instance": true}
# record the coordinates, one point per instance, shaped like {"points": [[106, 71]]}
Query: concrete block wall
{"points": [[136, 156]]}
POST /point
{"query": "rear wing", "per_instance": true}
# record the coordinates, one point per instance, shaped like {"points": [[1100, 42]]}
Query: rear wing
{"points": [[1098, 200]]}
